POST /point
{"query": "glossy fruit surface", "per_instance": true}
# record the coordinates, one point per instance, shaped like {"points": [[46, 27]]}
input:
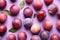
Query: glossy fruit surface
{"points": [[13, 0], [17, 23], [35, 29], [28, 22], [58, 14], [48, 2], [11, 37], [14, 10], [55, 37], [29, 1], [3, 4], [3, 17], [3, 29], [58, 24], [28, 12], [41, 15], [47, 24], [35, 37], [37, 4], [52, 9], [22, 36], [44, 35]]}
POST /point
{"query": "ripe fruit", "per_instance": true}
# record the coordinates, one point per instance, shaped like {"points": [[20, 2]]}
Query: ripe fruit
{"points": [[11, 37], [58, 14], [28, 12], [47, 24], [14, 10], [35, 37], [44, 35], [52, 9], [29, 1], [17, 23], [55, 37], [35, 29], [37, 4], [48, 2], [58, 24], [28, 23], [13, 0], [41, 15], [3, 29], [22, 36], [3, 17], [3, 4]]}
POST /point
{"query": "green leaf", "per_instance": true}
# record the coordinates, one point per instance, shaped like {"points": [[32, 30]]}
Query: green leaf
{"points": [[12, 30], [7, 12], [22, 4], [35, 15]]}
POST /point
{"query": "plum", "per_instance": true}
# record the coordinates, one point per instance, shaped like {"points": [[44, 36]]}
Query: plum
{"points": [[27, 12], [3, 17], [22, 36], [14, 10], [28, 23], [16, 23]]}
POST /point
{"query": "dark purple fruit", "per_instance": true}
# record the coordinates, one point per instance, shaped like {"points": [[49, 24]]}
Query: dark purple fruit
{"points": [[28, 12], [22, 36], [11, 37], [58, 24], [47, 24], [58, 14], [14, 10], [37, 4], [17, 23], [55, 37], [28, 23], [3, 29], [41, 15], [3, 4], [29, 1], [13, 0], [35, 29], [44, 35], [48, 2], [52, 9], [35, 37], [3, 17]]}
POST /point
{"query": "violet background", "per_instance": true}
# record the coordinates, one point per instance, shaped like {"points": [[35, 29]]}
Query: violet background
{"points": [[8, 23]]}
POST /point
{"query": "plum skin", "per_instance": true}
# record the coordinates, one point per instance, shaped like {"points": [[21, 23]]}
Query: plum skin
{"points": [[37, 4], [22, 36], [3, 17], [28, 1], [11, 37], [14, 10], [27, 12], [58, 25], [35, 37], [28, 23], [13, 0], [16, 23], [47, 24], [35, 29], [3, 4], [41, 15], [54, 37], [3, 29], [48, 2], [58, 14], [52, 9], [44, 35]]}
